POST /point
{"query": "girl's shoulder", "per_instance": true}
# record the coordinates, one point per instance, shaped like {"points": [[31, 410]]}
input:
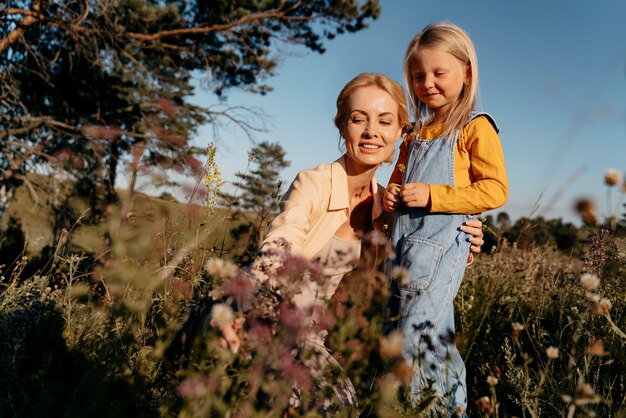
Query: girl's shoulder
{"points": [[480, 125], [483, 120]]}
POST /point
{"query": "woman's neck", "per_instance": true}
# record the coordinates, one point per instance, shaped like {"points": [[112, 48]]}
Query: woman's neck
{"points": [[359, 178]]}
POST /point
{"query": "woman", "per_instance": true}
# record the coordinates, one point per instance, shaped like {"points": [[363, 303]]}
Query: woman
{"points": [[328, 208]]}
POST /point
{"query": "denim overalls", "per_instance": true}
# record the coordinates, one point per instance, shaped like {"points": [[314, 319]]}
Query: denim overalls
{"points": [[434, 251]]}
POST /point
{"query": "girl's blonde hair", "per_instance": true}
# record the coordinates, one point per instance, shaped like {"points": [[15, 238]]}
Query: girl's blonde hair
{"points": [[453, 40]]}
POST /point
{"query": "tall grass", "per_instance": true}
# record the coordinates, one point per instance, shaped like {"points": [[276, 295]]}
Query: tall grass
{"points": [[127, 331]]}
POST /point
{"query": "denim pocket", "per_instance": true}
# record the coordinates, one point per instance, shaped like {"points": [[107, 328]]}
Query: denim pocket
{"points": [[421, 258]]}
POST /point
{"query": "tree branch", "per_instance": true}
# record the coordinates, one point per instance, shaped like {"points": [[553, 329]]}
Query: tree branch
{"points": [[255, 17], [30, 17]]}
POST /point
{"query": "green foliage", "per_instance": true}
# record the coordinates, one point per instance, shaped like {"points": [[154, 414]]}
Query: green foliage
{"points": [[89, 85], [256, 192], [131, 333]]}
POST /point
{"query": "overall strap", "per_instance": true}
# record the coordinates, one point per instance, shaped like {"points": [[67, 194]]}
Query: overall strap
{"points": [[490, 118]]}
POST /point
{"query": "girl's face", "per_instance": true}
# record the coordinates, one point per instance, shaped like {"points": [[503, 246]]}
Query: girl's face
{"points": [[438, 79], [372, 127]]}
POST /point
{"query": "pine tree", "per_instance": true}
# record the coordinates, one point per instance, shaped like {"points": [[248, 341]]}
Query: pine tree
{"points": [[103, 81], [255, 199]]}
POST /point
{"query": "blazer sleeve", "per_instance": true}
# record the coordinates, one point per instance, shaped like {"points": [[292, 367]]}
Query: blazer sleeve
{"points": [[298, 208]]}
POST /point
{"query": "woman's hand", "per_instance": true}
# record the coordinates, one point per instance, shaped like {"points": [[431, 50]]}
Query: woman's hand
{"points": [[391, 198], [474, 227], [230, 333]]}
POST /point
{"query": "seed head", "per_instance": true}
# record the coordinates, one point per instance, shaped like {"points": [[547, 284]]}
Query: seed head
{"points": [[612, 177], [552, 352], [589, 281]]}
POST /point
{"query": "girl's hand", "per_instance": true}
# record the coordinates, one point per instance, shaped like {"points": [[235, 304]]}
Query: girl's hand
{"points": [[474, 227], [391, 197], [415, 195]]}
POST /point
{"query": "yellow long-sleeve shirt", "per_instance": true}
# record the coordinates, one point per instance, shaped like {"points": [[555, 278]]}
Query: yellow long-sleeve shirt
{"points": [[480, 178]]}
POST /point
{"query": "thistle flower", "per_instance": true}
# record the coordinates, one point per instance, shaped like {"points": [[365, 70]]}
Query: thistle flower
{"points": [[552, 352], [585, 390], [217, 267], [602, 307], [222, 314], [517, 329], [403, 371], [401, 275], [596, 348], [484, 405], [586, 208], [612, 177], [391, 345], [590, 281]]}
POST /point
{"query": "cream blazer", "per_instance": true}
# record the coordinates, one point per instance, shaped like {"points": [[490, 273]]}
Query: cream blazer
{"points": [[315, 206]]}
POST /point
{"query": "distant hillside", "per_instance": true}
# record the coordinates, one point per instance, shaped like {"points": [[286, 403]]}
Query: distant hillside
{"points": [[146, 222]]}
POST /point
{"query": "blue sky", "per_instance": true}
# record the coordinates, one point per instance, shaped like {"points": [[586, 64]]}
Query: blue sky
{"points": [[552, 73]]}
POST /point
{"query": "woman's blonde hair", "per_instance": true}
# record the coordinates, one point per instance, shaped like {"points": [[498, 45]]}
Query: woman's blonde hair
{"points": [[449, 38], [391, 87]]}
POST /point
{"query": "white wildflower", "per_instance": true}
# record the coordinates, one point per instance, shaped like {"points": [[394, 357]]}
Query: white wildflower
{"points": [[590, 281], [222, 314], [552, 352]]}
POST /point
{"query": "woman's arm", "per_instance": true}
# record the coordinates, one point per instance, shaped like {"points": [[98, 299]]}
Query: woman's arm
{"points": [[297, 208]]}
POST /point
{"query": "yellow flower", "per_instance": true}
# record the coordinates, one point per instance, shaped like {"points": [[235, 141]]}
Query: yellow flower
{"points": [[401, 168]]}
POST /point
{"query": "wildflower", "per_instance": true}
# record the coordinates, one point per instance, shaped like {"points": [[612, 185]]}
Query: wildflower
{"points": [[401, 168], [492, 380], [197, 387], [221, 314], [484, 405], [307, 295], [574, 310], [552, 352], [586, 208], [602, 307], [391, 345], [589, 281], [377, 238], [612, 177], [401, 275], [294, 372], [242, 287], [212, 179], [403, 371], [585, 390], [217, 267], [517, 329], [596, 348]]}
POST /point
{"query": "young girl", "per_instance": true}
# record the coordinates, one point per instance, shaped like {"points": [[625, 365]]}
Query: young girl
{"points": [[450, 167]]}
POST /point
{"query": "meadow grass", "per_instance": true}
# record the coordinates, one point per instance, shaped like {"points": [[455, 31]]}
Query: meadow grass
{"points": [[124, 329]]}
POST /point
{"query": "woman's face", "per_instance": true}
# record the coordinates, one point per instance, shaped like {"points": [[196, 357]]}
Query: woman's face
{"points": [[372, 126]]}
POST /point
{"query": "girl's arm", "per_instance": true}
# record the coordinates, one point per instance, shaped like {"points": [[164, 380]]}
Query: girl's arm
{"points": [[391, 196], [489, 185]]}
